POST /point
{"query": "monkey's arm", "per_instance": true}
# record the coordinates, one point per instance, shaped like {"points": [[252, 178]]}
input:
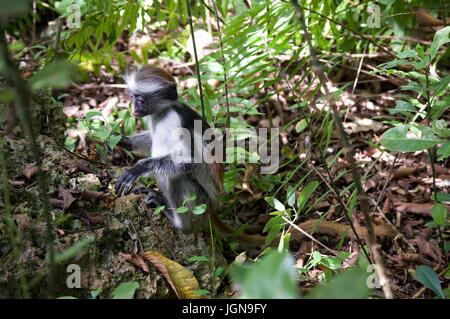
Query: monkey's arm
{"points": [[141, 141], [151, 166]]}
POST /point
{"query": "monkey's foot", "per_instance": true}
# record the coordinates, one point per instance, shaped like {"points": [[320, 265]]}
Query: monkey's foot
{"points": [[154, 199], [140, 190]]}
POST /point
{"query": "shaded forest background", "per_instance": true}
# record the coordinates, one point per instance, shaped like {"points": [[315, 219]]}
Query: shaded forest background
{"points": [[359, 91]]}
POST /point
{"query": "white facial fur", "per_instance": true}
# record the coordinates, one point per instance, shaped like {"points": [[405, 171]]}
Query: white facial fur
{"points": [[141, 87]]}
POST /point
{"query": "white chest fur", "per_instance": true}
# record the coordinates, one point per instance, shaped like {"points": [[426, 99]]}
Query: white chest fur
{"points": [[163, 141]]}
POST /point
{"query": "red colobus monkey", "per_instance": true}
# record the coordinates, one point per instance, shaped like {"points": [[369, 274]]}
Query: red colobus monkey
{"points": [[178, 176]]}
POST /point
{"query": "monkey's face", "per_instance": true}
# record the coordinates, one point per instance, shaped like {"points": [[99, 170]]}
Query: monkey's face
{"points": [[139, 108]]}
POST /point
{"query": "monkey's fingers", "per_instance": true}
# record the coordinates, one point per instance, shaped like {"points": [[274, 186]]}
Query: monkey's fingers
{"points": [[154, 199], [140, 190], [124, 183], [125, 142]]}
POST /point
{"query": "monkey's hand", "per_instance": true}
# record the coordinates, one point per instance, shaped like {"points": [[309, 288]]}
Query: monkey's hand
{"points": [[127, 179], [125, 142]]}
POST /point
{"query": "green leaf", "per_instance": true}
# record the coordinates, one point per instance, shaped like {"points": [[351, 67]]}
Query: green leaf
{"points": [[125, 290], [272, 277], [394, 63], [439, 213], [275, 203], [443, 151], [91, 114], [159, 209], [440, 128], [182, 210], [440, 38], [428, 277], [409, 138], [290, 196], [301, 125], [57, 75], [273, 228], [407, 54], [200, 209], [350, 284], [198, 258], [306, 194], [102, 133], [443, 197], [113, 140], [402, 107]]}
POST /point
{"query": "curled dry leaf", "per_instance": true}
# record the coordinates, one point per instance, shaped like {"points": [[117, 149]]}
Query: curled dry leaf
{"points": [[67, 197], [427, 248], [136, 260], [414, 208], [30, 170], [404, 171], [179, 278]]}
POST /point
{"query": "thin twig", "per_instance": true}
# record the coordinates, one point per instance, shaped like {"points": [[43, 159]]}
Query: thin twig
{"points": [[349, 152], [309, 236], [199, 78], [225, 79]]}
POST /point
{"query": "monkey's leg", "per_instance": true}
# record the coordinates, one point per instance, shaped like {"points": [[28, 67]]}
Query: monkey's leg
{"points": [[181, 189], [154, 199]]}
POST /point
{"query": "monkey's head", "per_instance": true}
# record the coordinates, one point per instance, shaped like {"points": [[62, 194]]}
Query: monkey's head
{"points": [[151, 90]]}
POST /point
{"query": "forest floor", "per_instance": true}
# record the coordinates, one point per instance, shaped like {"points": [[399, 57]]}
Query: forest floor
{"points": [[84, 205]]}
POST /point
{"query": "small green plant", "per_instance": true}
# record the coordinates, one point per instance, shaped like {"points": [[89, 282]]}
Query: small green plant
{"points": [[431, 100], [106, 131], [428, 277], [197, 210], [282, 215]]}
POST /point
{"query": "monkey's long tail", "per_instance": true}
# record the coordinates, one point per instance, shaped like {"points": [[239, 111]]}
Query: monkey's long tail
{"points": [[313, 226]]}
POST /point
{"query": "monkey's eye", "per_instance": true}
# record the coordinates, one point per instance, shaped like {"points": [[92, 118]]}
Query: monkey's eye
{"points": [[139, 98]]}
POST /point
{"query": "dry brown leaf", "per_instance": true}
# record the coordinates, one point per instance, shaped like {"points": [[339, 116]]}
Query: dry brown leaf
{"points": [[30, 170], [179, 278], [410, 258], [427, 248], [404, 171], [414, 208], [67, 197], [136, 260]]}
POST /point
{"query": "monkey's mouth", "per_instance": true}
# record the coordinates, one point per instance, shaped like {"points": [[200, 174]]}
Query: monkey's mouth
{"points": [[136, 113]]}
